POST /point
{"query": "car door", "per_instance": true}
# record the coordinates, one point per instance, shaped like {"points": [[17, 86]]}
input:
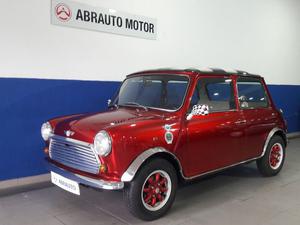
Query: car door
{"points": [[257, 110], [214, 140]]}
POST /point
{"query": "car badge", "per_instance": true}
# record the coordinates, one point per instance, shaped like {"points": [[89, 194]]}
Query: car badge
{"points": [[169, 137], [167, 127], [168, 134], [69, 133]]}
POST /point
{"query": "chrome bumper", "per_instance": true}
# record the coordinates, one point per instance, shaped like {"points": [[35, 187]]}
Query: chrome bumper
{"points": [[95, 183]]}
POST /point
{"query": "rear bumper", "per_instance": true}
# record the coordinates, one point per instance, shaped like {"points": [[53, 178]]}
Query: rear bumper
{"points": [[95, 183]]}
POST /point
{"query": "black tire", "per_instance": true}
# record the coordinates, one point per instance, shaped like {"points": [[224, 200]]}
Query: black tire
{"points": [[134, 190], [265, 165]]}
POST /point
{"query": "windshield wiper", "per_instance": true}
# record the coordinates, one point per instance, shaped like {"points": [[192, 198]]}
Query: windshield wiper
{"points": [[134, 104]]}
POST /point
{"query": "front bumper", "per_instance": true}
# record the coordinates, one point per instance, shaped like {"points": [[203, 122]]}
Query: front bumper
{"points": [[95, 183]]}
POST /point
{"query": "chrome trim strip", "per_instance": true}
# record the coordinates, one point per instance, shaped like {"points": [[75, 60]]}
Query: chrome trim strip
{"points": [[82, 143], [220, 169], [86, 144], [95, 183], [129, 174], [74, 153], [270, 135]]}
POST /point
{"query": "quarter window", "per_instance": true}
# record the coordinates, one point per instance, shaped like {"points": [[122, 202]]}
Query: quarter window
{"points": [[251, 93], [217, 93]]}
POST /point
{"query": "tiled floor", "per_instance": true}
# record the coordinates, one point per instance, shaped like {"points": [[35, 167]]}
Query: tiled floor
{"points": [[237, 196]]}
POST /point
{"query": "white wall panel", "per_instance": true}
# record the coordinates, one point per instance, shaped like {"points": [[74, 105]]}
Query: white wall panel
{"points": [[260, 36]]}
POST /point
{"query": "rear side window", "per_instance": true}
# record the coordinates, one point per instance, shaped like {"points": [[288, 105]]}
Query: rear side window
{"points": [[251, 93]]}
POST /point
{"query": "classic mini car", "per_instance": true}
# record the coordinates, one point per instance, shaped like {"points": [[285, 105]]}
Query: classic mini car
{"points": [[163, 127]]}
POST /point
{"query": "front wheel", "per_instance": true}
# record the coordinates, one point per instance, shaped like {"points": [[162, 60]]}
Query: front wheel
{"points": [[152, 192], [271, 163]]}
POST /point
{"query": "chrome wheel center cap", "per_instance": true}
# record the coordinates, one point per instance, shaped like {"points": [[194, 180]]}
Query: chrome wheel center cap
{"points": [[157, 190]]}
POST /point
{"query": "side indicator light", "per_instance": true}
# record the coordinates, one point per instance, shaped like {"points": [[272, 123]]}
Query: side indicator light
{"points": [[103, 168], [46, 150]]}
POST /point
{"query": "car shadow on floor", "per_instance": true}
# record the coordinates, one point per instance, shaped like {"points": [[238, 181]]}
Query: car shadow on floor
{"points": [[202, 193], [235, 183]]}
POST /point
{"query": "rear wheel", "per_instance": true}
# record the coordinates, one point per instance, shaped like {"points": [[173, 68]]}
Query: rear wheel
{"points": [[271, 163], [152, 192]]}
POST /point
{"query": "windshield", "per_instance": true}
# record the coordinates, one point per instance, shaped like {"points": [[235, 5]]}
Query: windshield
{"points": [[154, 91]]}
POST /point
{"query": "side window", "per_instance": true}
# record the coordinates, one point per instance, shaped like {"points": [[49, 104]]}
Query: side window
{"points": [[217, 93], [251, 93]]}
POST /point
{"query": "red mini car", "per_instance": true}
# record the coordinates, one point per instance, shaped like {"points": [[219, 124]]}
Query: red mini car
{"points": [[166, 126]]}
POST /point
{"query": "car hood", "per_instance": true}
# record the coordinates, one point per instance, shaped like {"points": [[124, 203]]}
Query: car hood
{"points": [[85, 127]]}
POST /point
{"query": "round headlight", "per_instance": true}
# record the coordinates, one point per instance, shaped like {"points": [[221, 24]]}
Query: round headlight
{"points": [[102, 143], [46, 131]]}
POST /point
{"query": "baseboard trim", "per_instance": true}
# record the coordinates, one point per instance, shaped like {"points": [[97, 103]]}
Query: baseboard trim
{"points": [[293, 135], [24, 181]]}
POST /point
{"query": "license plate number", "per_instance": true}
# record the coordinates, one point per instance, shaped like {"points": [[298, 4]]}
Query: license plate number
{"points": [[65, 183]]}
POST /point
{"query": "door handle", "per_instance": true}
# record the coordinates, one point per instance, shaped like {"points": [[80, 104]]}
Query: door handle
{"points": [[240, 122]]}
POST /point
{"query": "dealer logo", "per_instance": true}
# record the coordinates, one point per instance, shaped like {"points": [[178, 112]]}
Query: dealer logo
{"points": [[63, 12]]}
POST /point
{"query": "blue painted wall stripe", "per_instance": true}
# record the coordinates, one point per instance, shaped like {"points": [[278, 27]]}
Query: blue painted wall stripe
{"points": [[26, 103], [287, 97]]}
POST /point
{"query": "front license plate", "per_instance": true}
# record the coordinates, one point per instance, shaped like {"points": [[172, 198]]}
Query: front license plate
{"points": [[65, 183]]}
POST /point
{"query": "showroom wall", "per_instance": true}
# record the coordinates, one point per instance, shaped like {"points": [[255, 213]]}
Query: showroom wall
{"points": [[48, 70]]}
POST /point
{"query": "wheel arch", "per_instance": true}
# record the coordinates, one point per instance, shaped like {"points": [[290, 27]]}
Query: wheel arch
{"points": [[157, 152], [275, 131], [282, 134]]}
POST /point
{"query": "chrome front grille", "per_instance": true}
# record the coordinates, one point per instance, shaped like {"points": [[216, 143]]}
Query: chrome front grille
{"points": [[73, 153]]}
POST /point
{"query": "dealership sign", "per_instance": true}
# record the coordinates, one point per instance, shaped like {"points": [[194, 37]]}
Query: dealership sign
{"points": [[78, 15]]}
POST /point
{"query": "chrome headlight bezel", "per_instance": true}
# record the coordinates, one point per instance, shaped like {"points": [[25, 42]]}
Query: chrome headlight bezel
{"points": [[46, 131], [102, 143]]}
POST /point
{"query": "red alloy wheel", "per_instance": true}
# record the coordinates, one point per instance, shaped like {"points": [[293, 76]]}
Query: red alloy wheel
{"points": [[156, 190], [276, 156]]}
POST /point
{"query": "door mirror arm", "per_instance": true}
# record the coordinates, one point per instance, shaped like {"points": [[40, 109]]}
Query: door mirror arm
{"points": [[189, 116]]}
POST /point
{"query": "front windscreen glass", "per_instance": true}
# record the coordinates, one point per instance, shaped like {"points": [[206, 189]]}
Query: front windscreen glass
{"points": [[153, 91]]}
